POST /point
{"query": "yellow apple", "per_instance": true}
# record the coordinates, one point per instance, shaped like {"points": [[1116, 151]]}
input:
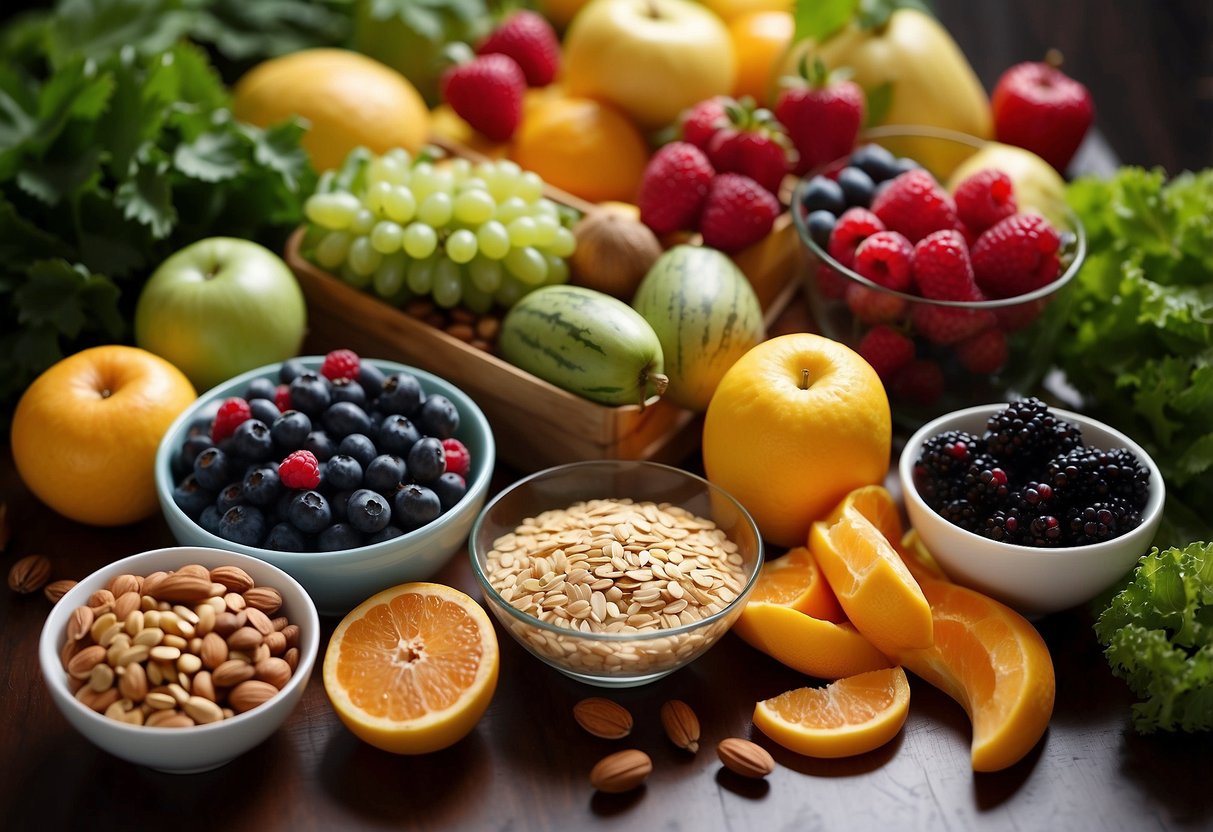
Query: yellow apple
{"points": [[1038, 186], [650, 58]]}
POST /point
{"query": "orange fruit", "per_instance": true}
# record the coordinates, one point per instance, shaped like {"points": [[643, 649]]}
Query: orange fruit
{"points": [[759, 40], [347, 98], [581, 146], [876, 504], [729, 10], [412, 669], [851, 716], [794, 426], [876, 590], [992, 661], [812, 646], [85, 432], [918, 560], [445, 124], [560, 12], [794, 580]]}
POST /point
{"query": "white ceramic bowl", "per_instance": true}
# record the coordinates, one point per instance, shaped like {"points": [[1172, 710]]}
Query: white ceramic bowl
{"points": [[1032, 580], [202, 747]]}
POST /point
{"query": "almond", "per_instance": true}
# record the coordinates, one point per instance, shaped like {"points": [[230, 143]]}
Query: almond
{"points": [[181, 587], [232, 672], [101, 598], [202, 710], [204, 685], [57, 589], [214, 650], [195, 569], [680, 724], [259, 621], [275, 671], [82, 664], [621, 771], [80, 623], [603, 718], [126, 603], [264, 598], [275, 643], [245, 639], [745, 758], [248, 695], [233, 578], [123, 584], [132, 684], [98, 701], [29, 574]]}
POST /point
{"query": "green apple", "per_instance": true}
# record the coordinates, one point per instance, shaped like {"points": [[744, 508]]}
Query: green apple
{"points": [[1038, 186], [650, 58], [219, 307]]}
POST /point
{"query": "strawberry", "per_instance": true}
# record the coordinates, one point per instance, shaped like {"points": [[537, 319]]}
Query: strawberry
{"points": [[884, 258], [822, 114], [886, 349], [1038, 107], [914, 204], [752, 143], [530, 40], [919, 382], [942, 269], [486, 92], [738, 212], [1017, 255], [874, 306], [673, 188], [853, 227], [984, 198], [699, 123], [984, 353]]}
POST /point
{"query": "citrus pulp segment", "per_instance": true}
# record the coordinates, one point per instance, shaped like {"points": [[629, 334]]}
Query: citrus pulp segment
{"points": [[818, 648], [795, 580]]}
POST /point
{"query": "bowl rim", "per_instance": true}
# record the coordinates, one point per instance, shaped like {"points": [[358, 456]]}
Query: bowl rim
{"points": [[1153, 508], [479, 483], [800, 219], [48, 649], [526, 618]]}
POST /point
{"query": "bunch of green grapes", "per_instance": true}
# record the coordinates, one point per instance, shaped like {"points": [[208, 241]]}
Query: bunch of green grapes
{"points": [[473, 233]]}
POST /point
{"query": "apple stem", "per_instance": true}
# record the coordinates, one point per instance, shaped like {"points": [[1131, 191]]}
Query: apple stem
{"points": [[1054, 58], [654, 12], [106, 393], [804, 379]]}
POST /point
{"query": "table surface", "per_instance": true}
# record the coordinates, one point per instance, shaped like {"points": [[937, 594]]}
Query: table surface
{"points": [[526, 764]]}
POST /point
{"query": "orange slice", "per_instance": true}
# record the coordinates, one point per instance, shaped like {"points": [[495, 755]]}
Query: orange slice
{"points": [[851, 716], [992, 661], [794, 580], [412, 669], [918, 559], [876, 504], [812, 646]]}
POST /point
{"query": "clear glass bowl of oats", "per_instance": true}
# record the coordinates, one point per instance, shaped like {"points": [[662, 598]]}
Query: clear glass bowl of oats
{"points": [[615, 572]]}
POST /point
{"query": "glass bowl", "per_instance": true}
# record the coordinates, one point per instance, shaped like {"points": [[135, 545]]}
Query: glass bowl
{"points": [[945, 375], [591, 645]]}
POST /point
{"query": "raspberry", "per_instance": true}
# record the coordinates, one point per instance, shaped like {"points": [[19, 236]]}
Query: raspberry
{"points": [[830, 282], [884, 258], [458, 460], [874, 306], [984, 353], [915, 205], [1016, 255], [674, 188], [282, 397], [919, 382], [853, 227], [886, 349], [948, 324], [231, 413], [341, 364], [985, 198], [738, 212], [942, 268], [300, 471]]}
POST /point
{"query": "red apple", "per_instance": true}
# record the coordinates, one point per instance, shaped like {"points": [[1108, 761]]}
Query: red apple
{"points": [[1038, 107]]}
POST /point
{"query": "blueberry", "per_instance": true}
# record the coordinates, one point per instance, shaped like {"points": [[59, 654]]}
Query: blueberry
{"points": [[905, 164], [384, 473], [450, 488], [343, 472], [193, 446], [343, 418], [191, 497], [396, 435], [230, 495], [209, 519], [821, 224], [368, 511], [283, 504], [310, 393], [370, 379], [347, 390], [243, 524], [360, 447], [309, 512], [386, 533], [339, 505], [821, 193], [262, 487], [438, 417], [265, 410], [401, 394], [290, 429], [252, 440], [320, 444], [416, 505], [290, 370], [284, 537], [856, 186], [337, 537], [876, 161], [260, 388], [212, 470], [426, 460]]}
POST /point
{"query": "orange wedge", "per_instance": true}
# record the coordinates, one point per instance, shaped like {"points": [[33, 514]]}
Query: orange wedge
{"points": [[851, 716], [876, 504], [412, 669], [794, 580], [812, 646], [918, 559]]}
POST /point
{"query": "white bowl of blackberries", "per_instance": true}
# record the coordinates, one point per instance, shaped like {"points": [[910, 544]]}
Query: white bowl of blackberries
{"points": [[351, 474], [1039, 507]]}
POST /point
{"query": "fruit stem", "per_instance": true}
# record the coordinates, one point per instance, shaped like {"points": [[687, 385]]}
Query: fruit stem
{"points": [[653, 10], [804, 379], [1054, 58]]}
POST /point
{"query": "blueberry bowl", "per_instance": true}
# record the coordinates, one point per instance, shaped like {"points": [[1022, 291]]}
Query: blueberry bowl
{"points": [[330, 536]]}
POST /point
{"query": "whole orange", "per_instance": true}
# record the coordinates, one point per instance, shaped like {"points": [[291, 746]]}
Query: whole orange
{"points": [[796, 424], [85, 432], [759, 40]]}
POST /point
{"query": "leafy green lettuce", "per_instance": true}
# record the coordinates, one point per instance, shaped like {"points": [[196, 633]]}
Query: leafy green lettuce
{"points": [[1158, 636]]}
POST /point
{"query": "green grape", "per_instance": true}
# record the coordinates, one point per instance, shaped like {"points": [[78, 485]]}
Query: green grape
{"points": [[387, 169], [563, 243], [558, 269], [510, 208], [529, 186], [545, 230], [375, 196], [420, 277], [386, 237], [484, 274], [510, 291], [401, 156], [522, 232], [435, 209], [461, 246], [473, 207], [358, 281], [527, 264], [363, 259], [460, 169], [474, 299], [428, 181], [448, 283], [400, 205], [546, 208], [332, 249], [388, 279], [334, 211], [420, 240], [474, 183], [363, 222], [494, 240]]}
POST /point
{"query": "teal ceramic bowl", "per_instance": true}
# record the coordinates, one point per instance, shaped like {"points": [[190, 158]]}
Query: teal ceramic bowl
{"points": [[338, 581]]}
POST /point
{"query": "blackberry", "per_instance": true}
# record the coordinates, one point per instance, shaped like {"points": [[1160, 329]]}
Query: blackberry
{"points": [[426, 460], [1100, 521], [1034, 499], [961, 513], [1026, 434], [1044, 531], [438, 417], [1087, 475], [243, 524], [1003, 526], [1128, 478], [942, 464], [985, 484]]}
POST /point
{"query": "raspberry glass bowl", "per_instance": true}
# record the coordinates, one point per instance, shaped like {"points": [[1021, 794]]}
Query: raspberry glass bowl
{"points": [[338, 581], [615, 659], [846, 305]]}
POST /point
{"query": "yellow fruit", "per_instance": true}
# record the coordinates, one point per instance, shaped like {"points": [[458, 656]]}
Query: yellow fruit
{"points": [[1038, 186], [918, 559], [789, 450], [812, 646], [85, 432], [445, 124], [794, 580], [581, 146], [729, 10], [412, 669], [852, 716], [560, 12], [760, 39], [347, 98], [876, 504]]}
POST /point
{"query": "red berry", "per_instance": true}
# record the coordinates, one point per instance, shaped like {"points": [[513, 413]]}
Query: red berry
{"points": [[230, 415], [942, 269], [853, 227], [738, 212], [884, 258], [874, 306], [530, 40], [486, 92], [886, 349], [1015, 318], [1017, 255], [821, 116], [753, 143], [458, 460], [300, 470], [984, 353], [914, 204], [341, 364], [700, 122], [948, 324], [985, 198], [282, 397], [919, 382], [1038, 107], [674, 188], [830, 282]]}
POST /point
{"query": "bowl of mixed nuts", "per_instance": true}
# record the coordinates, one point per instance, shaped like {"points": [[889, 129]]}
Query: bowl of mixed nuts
{"points": [[615, 572], [180, 659]]}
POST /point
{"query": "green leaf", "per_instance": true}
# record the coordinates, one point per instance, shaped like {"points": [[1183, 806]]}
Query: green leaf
{"points": [[879, 99], [277, 147], [817, 20], [212, 157], [101, 28], [22, 242], [147, 197], [52, 296], [52, 180]]}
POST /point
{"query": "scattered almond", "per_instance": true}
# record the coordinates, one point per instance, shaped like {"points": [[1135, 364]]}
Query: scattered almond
{"points": [[57, 589], [745, 758], [29, 574], [680, 724], [603, 718], [621, 771]]}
